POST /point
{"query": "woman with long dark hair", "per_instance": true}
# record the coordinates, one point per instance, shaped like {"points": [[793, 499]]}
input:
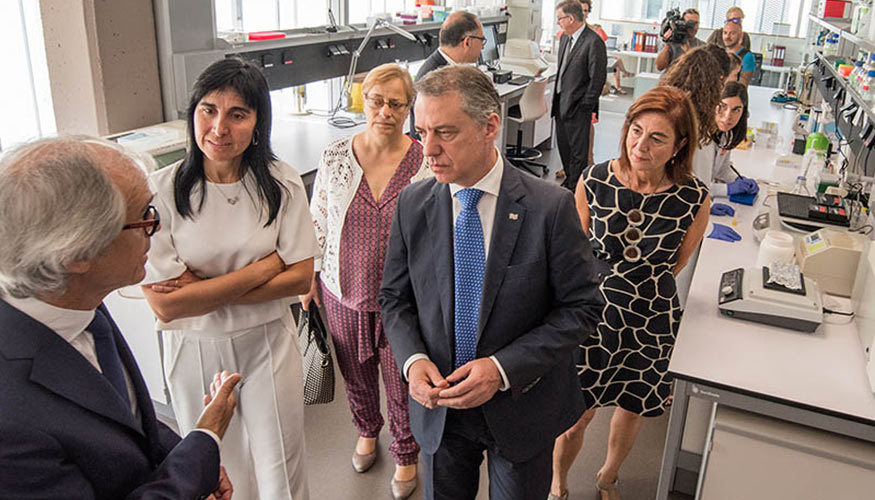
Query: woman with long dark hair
{"points": [[237, 244]]}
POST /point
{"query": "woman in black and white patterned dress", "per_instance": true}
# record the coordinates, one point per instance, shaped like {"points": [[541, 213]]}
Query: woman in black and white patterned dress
{"points": [[645, 213]]}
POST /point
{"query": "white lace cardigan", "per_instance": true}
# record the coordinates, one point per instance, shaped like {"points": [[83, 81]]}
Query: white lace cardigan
{"points": [[337, 181]]}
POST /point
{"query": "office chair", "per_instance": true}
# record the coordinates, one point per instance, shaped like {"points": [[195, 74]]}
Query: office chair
{"points": [[532, 106], [757, 77]]}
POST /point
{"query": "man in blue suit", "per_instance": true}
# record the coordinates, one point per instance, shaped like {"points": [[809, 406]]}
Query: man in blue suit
{"points": [[76, 419], [488, 288]]}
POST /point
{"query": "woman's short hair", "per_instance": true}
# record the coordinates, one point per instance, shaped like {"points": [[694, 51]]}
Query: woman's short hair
{"points": [[734, 137], [675, 105], [479, 97], [388, 72], [699, 74], [59, 206], [247, 80]]}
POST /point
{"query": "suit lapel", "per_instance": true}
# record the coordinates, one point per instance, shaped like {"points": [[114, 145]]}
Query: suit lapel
{"points": [[439, 218], [510, 215], [60, 368]]}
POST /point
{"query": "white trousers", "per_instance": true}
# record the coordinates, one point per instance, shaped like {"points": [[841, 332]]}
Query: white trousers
{"points": [[263, 449]]}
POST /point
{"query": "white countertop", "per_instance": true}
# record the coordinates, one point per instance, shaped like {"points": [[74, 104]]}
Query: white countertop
{"points": [[823, 371]]}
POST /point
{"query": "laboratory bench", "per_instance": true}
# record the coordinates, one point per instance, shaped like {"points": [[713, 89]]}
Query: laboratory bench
{"points": [[300, 139], [815, 381]]}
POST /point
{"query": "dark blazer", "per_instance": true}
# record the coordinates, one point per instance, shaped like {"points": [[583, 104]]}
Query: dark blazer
{"points": [[583, 79], [433, 62], [540, 301], [65, 433]]}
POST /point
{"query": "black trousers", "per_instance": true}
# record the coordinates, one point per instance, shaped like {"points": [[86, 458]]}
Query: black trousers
{"points": [[572, 138], [453, 472]]}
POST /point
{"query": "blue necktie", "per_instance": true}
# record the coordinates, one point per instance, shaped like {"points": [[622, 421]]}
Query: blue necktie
{"points": [[470, 262], [107, 354]]}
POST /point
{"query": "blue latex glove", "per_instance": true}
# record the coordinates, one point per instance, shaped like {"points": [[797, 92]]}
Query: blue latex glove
{"points": [[724, 233], [722, 209], [742, 185]]}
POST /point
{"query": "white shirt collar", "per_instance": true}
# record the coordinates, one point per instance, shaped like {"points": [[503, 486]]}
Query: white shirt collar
{"points": [[449, 59], [68, 323], [576, 34], [489, 183]]}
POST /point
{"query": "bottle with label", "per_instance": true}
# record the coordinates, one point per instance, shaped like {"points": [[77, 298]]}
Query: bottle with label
{"points": [[831, 46], [868, 90], [856, 76]]}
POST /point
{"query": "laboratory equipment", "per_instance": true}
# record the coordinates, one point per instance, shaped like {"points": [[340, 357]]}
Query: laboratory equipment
{"points": [[776, 246], [796, 211], [523, 57], [831, 257], [746, 294], [165, 142], [863, 303]]}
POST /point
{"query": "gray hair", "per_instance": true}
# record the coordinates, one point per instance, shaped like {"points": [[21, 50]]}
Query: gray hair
{"points": [[459, 25], [572, 8], [479, 97], [59, 206]]}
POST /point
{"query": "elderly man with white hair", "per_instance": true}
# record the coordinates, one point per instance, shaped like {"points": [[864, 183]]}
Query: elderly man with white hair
{"points": [[76, 419]]}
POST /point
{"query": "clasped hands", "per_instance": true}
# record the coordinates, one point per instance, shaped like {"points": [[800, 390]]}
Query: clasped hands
{"points": [[478, 381]]}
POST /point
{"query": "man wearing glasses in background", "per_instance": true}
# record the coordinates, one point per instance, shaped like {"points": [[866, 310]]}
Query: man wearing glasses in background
{"points": [[581, 75], [736, 14], [461, 41], [672, 51], [76, 419]]}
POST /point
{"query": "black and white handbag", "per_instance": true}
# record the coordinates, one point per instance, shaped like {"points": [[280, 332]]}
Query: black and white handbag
{"points": [[317, 363]]}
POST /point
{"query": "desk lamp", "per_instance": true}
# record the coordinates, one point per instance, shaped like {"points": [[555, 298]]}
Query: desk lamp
{"points": [[347, 86]]}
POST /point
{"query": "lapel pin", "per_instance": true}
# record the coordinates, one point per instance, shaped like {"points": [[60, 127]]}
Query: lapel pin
{"points": [[513, 216]]}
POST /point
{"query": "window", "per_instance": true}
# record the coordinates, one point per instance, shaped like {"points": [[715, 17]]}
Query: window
{"points": [[27, 96], [779, 17], [359, 10], [265, 15]]}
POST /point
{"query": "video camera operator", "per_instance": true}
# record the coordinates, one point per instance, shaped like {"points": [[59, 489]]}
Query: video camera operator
{"points": [[679, 34]]}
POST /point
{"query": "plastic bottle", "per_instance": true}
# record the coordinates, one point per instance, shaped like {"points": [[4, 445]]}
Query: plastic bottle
{"points": [[868, 90], [831, 47], [856, 76]]}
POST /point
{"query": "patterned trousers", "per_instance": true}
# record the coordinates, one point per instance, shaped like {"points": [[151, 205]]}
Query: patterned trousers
{"points": [[361, 379]]}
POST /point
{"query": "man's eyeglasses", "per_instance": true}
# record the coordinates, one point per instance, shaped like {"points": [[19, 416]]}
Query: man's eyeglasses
{"points": [[150, 223], [561, 18], [736, 20], [377, 102], [482, 39], [633, 235]]}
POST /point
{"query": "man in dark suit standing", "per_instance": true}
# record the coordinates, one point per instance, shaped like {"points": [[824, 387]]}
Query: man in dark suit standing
{"points": [[582, 72], [488, 288], [76, 419], [461, 41]]}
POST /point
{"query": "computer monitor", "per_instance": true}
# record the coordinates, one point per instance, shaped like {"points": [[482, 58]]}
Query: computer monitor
{"points": [[489, 55]]}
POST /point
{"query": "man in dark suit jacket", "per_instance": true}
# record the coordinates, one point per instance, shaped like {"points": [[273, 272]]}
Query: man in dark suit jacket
{"points": [[461, 41], [484, 314], [76, 419], [582, 72]]}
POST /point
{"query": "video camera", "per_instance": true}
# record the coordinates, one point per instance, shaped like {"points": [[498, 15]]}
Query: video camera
{"points": [[680, 29]]}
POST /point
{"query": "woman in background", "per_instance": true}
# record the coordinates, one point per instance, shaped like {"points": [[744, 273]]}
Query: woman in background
{"points": [[236, 245], [354, 196], [644, 213], [731, 118]]}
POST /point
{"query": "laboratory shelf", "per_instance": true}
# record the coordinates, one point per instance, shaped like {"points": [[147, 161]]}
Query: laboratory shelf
{"points": [[843, 27], [857, 98]]}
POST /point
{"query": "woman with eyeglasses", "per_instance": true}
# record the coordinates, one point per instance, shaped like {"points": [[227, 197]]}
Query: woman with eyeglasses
{"points": [[236, 245], [354, 196], [644, 213]]}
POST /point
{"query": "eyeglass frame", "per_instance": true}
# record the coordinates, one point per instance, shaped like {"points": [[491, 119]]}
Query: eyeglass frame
{"points": [[561, 18], [395, 106], [149, 226], [481, 39]]}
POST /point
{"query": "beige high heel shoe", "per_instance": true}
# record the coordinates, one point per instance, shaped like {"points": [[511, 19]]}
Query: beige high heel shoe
{"points": [[608, 490]]}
